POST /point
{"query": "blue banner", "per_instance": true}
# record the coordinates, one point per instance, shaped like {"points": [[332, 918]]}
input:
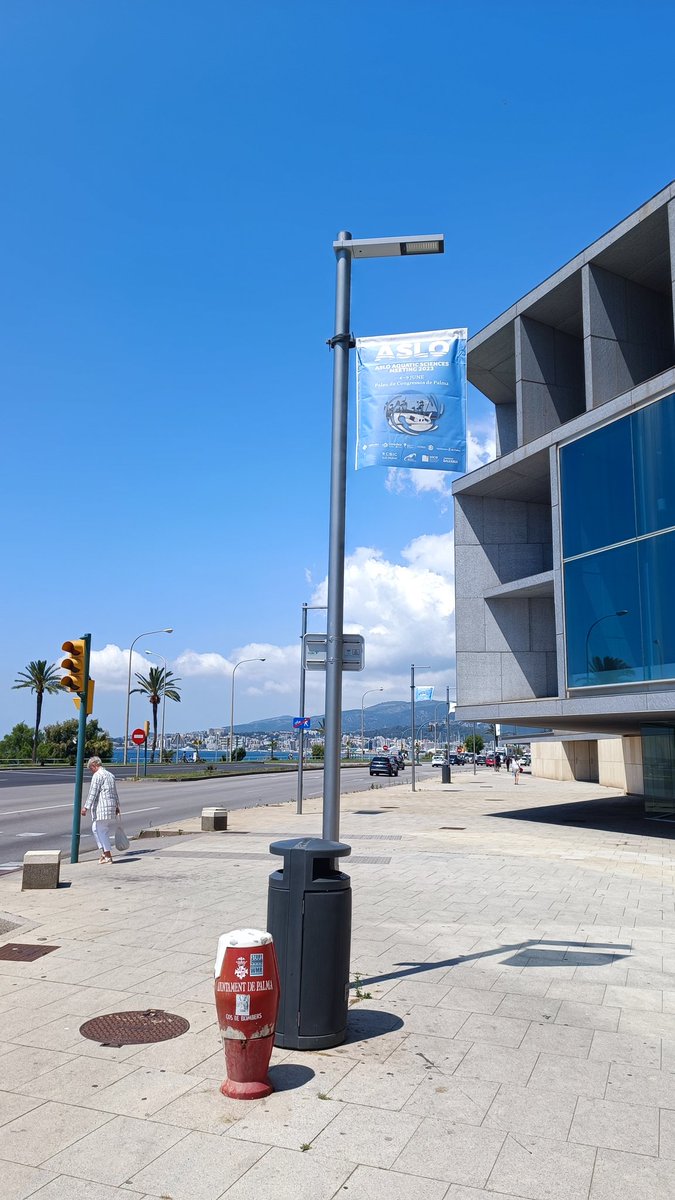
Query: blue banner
{"points": [[411, 401], [424, 693]]}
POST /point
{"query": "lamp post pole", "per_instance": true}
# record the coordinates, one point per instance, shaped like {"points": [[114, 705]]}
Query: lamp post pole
{"points": [[346, 248], [380, 689], [234, 669], [412, 721], [161, 742], [301, 713], [149, 633]]}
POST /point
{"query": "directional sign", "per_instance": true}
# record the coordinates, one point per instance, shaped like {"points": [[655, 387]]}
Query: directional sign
{"points": [[302, 723], [353, 651], [138, 737]]}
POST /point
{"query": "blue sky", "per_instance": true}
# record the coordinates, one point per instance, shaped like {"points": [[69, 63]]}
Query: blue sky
{"points": [[173, 178]]}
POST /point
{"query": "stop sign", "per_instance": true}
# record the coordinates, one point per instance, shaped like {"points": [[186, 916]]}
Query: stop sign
{"points": [[138, 737]]}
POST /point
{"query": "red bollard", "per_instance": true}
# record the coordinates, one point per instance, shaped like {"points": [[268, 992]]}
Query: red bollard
{"points": [[247, 1003]]}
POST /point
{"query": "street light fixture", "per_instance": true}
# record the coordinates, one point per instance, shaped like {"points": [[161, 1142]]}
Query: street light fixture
{"points": [[148, 633], [380, 689], [621, 612], [239, 664], [346, 248], [161, 737]]}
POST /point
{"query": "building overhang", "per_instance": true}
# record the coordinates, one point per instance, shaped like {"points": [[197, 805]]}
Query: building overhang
{"points": [[618, 715]]}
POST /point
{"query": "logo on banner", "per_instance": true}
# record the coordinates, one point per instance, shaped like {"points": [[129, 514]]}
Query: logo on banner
{"points": [[424, 693]]}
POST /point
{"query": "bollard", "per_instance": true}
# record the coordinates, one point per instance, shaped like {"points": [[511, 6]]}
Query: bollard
{"points": [[41, 869], [214, 820], [247, 1002]]}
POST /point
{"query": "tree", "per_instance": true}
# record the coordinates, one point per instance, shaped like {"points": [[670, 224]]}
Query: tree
{"points": [[474, 745], [317, 751], [40, 678], [155, 686], [238, 754], [273, 746], [61, 741], [17, 744], [608, 663]]}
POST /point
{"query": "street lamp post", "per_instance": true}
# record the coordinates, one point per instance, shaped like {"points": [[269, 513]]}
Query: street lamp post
{"points": [[161, 739], [412, 721], [301, 713], [149, 633], [380, 689], [346, 248], [239, 664], [621, 612]]}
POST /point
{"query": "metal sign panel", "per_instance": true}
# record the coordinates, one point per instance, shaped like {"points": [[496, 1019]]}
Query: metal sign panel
{"points": [[302, 723], [353, 652]]}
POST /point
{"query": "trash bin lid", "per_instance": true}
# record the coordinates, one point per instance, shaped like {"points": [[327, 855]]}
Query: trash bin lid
{"points": [[316, 847]]}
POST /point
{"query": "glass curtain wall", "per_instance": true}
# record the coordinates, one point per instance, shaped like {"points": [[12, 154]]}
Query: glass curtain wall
{"points": [[618, 523]]}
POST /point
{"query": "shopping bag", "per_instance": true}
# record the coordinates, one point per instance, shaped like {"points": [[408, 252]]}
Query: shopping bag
{"points": [[121, 839]]}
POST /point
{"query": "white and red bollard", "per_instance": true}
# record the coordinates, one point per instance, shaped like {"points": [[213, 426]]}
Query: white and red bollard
{"points": [[247, 1003]]}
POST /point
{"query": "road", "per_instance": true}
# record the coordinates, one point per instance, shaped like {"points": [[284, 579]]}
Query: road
{"points": [[38, 815]]}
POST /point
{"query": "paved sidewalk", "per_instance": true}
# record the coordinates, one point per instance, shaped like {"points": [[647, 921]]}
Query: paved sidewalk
{"points": [[512, 1032]]}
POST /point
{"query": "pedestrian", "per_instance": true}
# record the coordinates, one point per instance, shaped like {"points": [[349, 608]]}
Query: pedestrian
{"points": [[498, 761], [515, 770], [104, 804], [508, 762]]}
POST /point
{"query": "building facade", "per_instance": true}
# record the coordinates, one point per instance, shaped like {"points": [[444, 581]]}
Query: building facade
{"points": [[565, 544]]}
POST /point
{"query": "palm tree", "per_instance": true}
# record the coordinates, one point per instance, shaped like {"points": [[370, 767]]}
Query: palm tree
{"points": [[40, 678], [609, 663], [155, 687]]}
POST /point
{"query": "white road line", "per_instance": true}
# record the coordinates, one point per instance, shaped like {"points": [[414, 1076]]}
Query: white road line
{"points": [[19, 835], [128, 811], [18, 812]]}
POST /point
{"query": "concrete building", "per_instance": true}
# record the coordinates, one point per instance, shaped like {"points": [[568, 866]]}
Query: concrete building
{"points": [[565, 544]]}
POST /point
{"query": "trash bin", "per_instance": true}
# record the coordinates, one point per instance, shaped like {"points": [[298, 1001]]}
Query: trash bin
{"points": [[309, 914], [446, 777]]}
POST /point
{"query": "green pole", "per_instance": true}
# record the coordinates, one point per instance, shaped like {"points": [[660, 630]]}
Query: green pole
{"points": [[79, 764]]}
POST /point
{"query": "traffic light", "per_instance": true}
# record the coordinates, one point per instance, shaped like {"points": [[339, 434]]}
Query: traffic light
{"points": [[90, 697], [73, 665]]}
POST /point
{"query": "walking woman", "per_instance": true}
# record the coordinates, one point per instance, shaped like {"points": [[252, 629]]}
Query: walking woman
{"points": [[104, 804]]}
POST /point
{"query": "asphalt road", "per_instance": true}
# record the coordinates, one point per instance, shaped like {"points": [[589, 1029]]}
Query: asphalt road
{"points": [[38, 815]]}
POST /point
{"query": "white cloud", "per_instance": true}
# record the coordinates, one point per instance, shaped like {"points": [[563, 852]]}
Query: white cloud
{"points": [[481, 448], [404, 609]]}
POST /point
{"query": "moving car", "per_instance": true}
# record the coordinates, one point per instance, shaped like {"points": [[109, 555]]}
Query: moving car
{"points": [[383, 764], [438, 760]]}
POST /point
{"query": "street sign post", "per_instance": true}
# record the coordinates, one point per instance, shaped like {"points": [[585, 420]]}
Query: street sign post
{"points": [[139, 739], [302, 723], [316, 651]]}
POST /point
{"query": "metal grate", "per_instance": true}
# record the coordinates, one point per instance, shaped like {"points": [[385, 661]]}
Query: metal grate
{"points": [[20, 952], [134, 1028]]}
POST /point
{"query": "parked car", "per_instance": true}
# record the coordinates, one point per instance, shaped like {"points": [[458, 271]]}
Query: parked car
{"points": [[400, 760], [438, 760], [489, 760], [525, 761], [383, 764], [480, 760], [452, 760]]}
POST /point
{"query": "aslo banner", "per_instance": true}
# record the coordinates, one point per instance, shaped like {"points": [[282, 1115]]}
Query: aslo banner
{"points": [[424, 693], [411, 401]]}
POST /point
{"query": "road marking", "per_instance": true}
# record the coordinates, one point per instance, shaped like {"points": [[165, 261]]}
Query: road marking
{"points": [[19, 835], [18, 812], [128, 811]]}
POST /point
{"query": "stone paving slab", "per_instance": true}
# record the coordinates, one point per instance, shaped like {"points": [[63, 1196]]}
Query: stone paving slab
{"points": [[513, 1034]]}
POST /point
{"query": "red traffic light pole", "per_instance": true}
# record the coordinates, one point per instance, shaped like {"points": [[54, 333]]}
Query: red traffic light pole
{"points": [[77, 679]]}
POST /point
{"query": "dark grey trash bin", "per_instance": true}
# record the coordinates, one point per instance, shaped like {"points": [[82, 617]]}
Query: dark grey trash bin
{"points": [[446, 777], [309, 914]]}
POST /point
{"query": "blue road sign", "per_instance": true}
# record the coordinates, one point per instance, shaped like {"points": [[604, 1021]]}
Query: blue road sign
{"points": [[301, 722]]}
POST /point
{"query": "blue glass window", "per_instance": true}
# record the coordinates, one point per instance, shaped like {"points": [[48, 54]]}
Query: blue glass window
{"points": [[596, 482], [654, 446], [657, 589], [602, 617]]}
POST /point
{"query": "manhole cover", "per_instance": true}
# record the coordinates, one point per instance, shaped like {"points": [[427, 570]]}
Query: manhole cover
{"points": [[18, 952], [134, 1028]]}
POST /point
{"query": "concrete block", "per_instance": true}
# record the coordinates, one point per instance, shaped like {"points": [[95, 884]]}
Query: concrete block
{"points": [[504, 521], [214, 820], [517, 561], [476, 570], [542, 624], [539, 523], [478, 678], [41, 869], [523, 676], [507, 625], [507, 428], [468, 520], [470, 624]]}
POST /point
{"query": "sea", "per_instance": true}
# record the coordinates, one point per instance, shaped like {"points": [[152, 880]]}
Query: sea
{"points": [[205, 756]]}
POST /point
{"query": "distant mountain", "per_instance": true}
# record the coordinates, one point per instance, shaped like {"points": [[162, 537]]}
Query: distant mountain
{"points": [[391, 719]]}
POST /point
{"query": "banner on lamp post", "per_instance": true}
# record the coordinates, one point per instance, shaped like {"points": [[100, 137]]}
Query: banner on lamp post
{"points": [[424, 693], [411, 401]]}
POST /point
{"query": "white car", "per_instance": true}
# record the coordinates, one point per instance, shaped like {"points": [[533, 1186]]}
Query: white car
{"points": [[438, 760]]}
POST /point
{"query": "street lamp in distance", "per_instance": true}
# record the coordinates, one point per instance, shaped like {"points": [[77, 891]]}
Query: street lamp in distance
{"points": [[148, 633], [380, 689], [238, 664]]}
